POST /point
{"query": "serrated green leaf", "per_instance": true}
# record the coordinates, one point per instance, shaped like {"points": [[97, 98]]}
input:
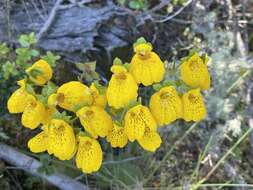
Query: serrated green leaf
{"points": [[62, 115], [50, 58]]}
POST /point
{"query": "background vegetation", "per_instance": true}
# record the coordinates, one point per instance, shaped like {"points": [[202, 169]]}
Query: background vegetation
{"points": [[213, 154]]}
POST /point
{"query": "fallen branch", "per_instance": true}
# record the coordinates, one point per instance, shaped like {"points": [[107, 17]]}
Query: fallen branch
{"points": [[31, 166]]}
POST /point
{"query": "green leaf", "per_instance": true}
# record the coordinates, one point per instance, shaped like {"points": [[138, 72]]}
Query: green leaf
{"points": [[121, 174], [157, 87], [29, 88], [168, 83], [49, 89], [34, 53], [117, 61], [137, 4], [88, 70], [4, 50], [27, 40], [9, 70], [101, 89], [62, 115], [139, 41], [51, 58], [127, 66]]}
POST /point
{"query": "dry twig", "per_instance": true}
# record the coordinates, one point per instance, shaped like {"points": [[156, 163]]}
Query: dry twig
{"points": [[49, 21], [31, 166]]}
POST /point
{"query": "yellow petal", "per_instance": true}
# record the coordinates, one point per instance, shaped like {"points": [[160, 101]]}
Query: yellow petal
{"points": [[150, 140], [62, 141], [32, 115], [194, 73], [48, 114], [98, 99], [117, 136], [18, 101], [166, 106], [89, 155], [73, 94], [95, 120], [38, 143], [193, 106], [146, 66], [122, 89], [136, 120]]}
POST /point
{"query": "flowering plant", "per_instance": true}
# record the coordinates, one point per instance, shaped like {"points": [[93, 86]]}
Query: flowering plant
{"points": [[115, 111]]}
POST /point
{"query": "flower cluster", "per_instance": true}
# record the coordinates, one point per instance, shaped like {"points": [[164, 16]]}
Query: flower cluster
{"points": [[114, 112]]}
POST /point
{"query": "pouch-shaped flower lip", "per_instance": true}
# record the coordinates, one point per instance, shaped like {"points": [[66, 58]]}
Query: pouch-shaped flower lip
{"points": [[122, 88], [117, 136], [150, 140], [146, 66], [194, 72], [62, 140], [136, 120], [166, 105], [89, 155], [33, 114], [95, 120], [193, 106]]}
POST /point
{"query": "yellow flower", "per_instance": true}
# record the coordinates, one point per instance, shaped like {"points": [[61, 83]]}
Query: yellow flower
{"points": [[19, 99], [48, 114], [146, 66], [62, 141], [193, 106], [89, 155], [194, 73], [136, 120], [33, 114], [122, 88], [117, 136], [39, 142], [98, 99], [95, 120], [70, 95], [150, 140], [40, 72], [166, 106]]}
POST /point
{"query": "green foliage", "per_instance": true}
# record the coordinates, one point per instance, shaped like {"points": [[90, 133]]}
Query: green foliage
{"points": [[62, 115], [15, 62], [46, 167], [51, 58], [134, 4], [119, 174], [88, 71], [138, 4]]}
